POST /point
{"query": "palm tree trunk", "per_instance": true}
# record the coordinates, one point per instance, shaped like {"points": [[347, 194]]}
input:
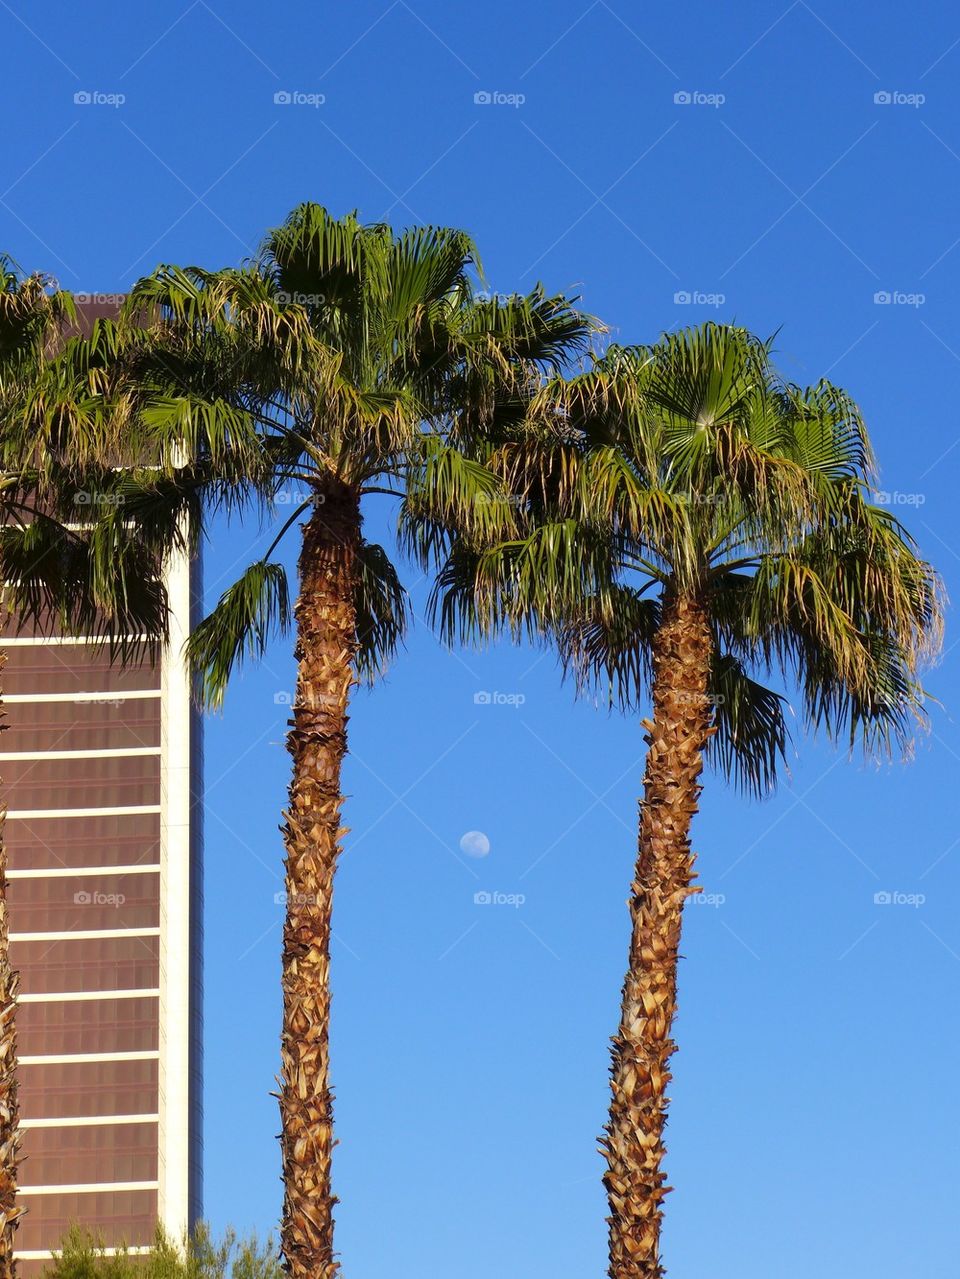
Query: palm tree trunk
{"points": [[633, 1141], [9, 1108], [326, 645]]}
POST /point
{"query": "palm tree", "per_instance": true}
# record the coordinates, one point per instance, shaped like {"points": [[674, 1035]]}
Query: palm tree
{"points": [[687, 525], [101, 578], [351, 349]]}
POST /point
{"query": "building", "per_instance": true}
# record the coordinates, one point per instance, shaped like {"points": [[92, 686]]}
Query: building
{"points": [[100, 769]]}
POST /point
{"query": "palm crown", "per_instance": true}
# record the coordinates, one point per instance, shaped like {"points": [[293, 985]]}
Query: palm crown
{"points": [[73, 556], [350, 351], [691, 468]]}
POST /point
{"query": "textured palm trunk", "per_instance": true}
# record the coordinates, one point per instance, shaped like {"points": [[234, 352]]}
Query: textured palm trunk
{"points": [[326, 646], [641, 1051], [9, 1108]]}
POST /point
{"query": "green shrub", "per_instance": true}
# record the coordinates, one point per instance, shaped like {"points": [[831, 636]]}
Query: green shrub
{"points": [[82, 1256]]}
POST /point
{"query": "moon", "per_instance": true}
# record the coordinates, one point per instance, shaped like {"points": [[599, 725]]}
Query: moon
{"points": [[474, 843]]}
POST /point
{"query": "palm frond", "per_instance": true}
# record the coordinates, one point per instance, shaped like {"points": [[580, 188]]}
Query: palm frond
{"points": [[750, 737], [382, 611], [247, 614]]}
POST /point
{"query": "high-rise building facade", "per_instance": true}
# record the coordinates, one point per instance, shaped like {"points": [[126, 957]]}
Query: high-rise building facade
{"points": [[100, 769]]}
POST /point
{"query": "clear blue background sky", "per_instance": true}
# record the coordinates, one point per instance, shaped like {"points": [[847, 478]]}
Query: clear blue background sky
{"points": [[815, 1112]]}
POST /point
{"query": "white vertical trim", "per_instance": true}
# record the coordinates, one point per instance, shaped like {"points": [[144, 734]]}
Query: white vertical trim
{"points": [[175, 910]]}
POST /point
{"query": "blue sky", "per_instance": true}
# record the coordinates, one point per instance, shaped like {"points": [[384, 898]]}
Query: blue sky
{"points": [[815, 1110]]}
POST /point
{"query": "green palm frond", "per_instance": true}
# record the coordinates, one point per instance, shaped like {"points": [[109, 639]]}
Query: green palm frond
{"points": [[609, 642], [59, 582], [691, 467], [750, 737], [382, 611], [247, 614]]}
